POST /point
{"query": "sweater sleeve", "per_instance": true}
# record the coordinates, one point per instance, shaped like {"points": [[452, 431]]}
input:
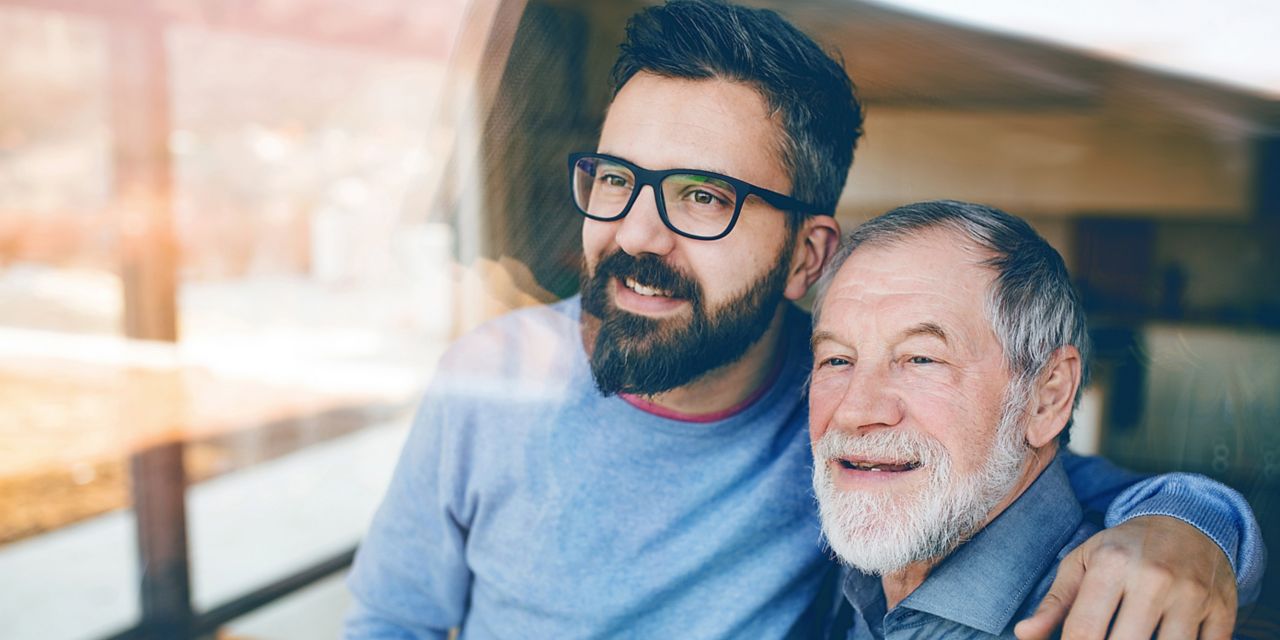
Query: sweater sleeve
{"points": [[1215, 509], [410, 579]]}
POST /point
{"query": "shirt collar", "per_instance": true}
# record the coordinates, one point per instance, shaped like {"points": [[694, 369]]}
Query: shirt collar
{"points": [[985, 581], [864, 593]]}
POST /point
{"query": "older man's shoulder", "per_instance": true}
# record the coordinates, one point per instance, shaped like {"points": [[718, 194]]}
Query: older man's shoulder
{"points": [[1090, 525]]}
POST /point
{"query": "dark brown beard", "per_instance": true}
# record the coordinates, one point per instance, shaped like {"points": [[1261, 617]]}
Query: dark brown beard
{"points": [[635, 354]]}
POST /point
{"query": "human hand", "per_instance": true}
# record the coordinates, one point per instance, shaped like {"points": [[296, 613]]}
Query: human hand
{"points": [[1149, 575]]}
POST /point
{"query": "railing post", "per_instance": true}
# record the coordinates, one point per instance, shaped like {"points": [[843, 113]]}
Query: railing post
{"points": [[159, 502], [139, 98]]}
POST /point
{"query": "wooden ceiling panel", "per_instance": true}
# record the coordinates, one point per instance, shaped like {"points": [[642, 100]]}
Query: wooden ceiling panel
{"points": [[899, 58]]}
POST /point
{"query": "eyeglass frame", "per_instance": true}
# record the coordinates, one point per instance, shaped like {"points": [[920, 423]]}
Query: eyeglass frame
{"points": [[653, 179]]}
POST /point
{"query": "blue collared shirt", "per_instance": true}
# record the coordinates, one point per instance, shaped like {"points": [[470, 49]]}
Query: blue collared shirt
{"points": [[987, 584]]}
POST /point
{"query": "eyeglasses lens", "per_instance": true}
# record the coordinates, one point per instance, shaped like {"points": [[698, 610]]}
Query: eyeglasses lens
{"points": [[696, 204]]}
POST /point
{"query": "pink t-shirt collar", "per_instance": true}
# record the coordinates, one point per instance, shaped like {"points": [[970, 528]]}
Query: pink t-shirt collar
{"points": [[702, 418]]}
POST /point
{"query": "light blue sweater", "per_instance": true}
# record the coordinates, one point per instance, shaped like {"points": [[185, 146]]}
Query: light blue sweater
{"points": [[525, 505]]}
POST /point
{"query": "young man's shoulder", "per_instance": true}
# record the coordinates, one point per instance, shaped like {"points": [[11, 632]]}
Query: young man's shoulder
{"points": [[534, 347]]}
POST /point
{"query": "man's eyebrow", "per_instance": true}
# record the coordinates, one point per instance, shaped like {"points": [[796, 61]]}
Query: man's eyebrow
{"points": [[926, 329], [706, 169], [820, 336]]}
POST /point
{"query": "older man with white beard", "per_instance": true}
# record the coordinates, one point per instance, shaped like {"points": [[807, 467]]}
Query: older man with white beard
{"points": [[949, 354]]}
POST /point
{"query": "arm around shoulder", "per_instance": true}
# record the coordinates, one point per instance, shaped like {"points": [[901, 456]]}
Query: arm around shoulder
{"points": [[1216, 510]]}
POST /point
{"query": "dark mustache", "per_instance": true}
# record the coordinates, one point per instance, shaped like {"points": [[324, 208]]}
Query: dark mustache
{"points": [[648, 270]]}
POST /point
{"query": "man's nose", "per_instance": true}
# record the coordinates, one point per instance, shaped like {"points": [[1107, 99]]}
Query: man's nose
{"points": [[869, 401], [642, 230]]}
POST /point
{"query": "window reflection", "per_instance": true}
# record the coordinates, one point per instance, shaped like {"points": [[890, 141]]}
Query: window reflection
{"points": [[220, 293]]}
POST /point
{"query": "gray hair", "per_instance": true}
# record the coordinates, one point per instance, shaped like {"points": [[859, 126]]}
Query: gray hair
{"points": [[1033, 308]]}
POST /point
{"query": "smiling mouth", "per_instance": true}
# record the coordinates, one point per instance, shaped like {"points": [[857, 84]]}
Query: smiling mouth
{"points": [[882, 467], [645, 290]]}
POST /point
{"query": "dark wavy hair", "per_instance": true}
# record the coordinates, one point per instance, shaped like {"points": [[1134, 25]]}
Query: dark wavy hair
{"points": [[806, 87]]}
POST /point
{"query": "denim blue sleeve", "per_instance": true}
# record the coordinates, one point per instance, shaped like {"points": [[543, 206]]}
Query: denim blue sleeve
{"points": [[1215, 509], [1095, 480], [409, 579]]}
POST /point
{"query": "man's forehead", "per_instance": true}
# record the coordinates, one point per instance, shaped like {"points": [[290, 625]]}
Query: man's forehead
{"points": [[925, 258], [710, 124], [931, 280]]}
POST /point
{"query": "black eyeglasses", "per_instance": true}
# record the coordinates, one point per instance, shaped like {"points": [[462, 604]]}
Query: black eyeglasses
{"points": [[695, 204]]}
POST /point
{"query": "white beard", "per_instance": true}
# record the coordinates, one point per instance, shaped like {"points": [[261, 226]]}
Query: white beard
{"points": [[881, 533]]}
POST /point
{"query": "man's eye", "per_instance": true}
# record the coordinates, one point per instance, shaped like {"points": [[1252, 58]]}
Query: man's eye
{"points": [[834, 361], [614, 180], [705, 197], [921, 360]]}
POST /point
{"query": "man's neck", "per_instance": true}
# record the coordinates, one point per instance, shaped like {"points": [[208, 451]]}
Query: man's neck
{"points": [[730, 385], [897, 586]]}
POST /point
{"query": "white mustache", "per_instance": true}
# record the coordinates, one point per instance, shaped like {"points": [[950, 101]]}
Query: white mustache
{"points": [[898, 445]]}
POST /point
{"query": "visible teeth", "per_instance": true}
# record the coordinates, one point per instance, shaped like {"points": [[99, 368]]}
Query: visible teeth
{"points": [[646, 291], [872, 466]]}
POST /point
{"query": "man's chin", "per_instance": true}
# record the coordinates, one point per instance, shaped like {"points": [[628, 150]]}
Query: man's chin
{"points": [[633, 362], [878, 530], [877, 545]]}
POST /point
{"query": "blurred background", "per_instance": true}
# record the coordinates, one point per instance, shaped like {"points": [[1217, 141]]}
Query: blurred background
{"points": [[235, 236]]}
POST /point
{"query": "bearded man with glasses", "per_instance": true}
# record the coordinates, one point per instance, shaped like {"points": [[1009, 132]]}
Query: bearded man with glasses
{"points": [[635, 461], [662, 316]]}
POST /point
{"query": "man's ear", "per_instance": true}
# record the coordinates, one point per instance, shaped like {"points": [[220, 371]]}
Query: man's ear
{"points": [[1054, 396], [815, 244]]}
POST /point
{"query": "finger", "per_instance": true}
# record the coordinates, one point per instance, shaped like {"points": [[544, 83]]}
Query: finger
{"points": [[1046, 619], [1220, 621], [1096, 604], [1178, 630], [1141, 609], [1053, 608], [1219, 624], [1187, 608], [1137, 619]]}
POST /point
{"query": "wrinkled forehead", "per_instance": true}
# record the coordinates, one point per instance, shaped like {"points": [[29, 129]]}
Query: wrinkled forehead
{"points": [[933, 275]]}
